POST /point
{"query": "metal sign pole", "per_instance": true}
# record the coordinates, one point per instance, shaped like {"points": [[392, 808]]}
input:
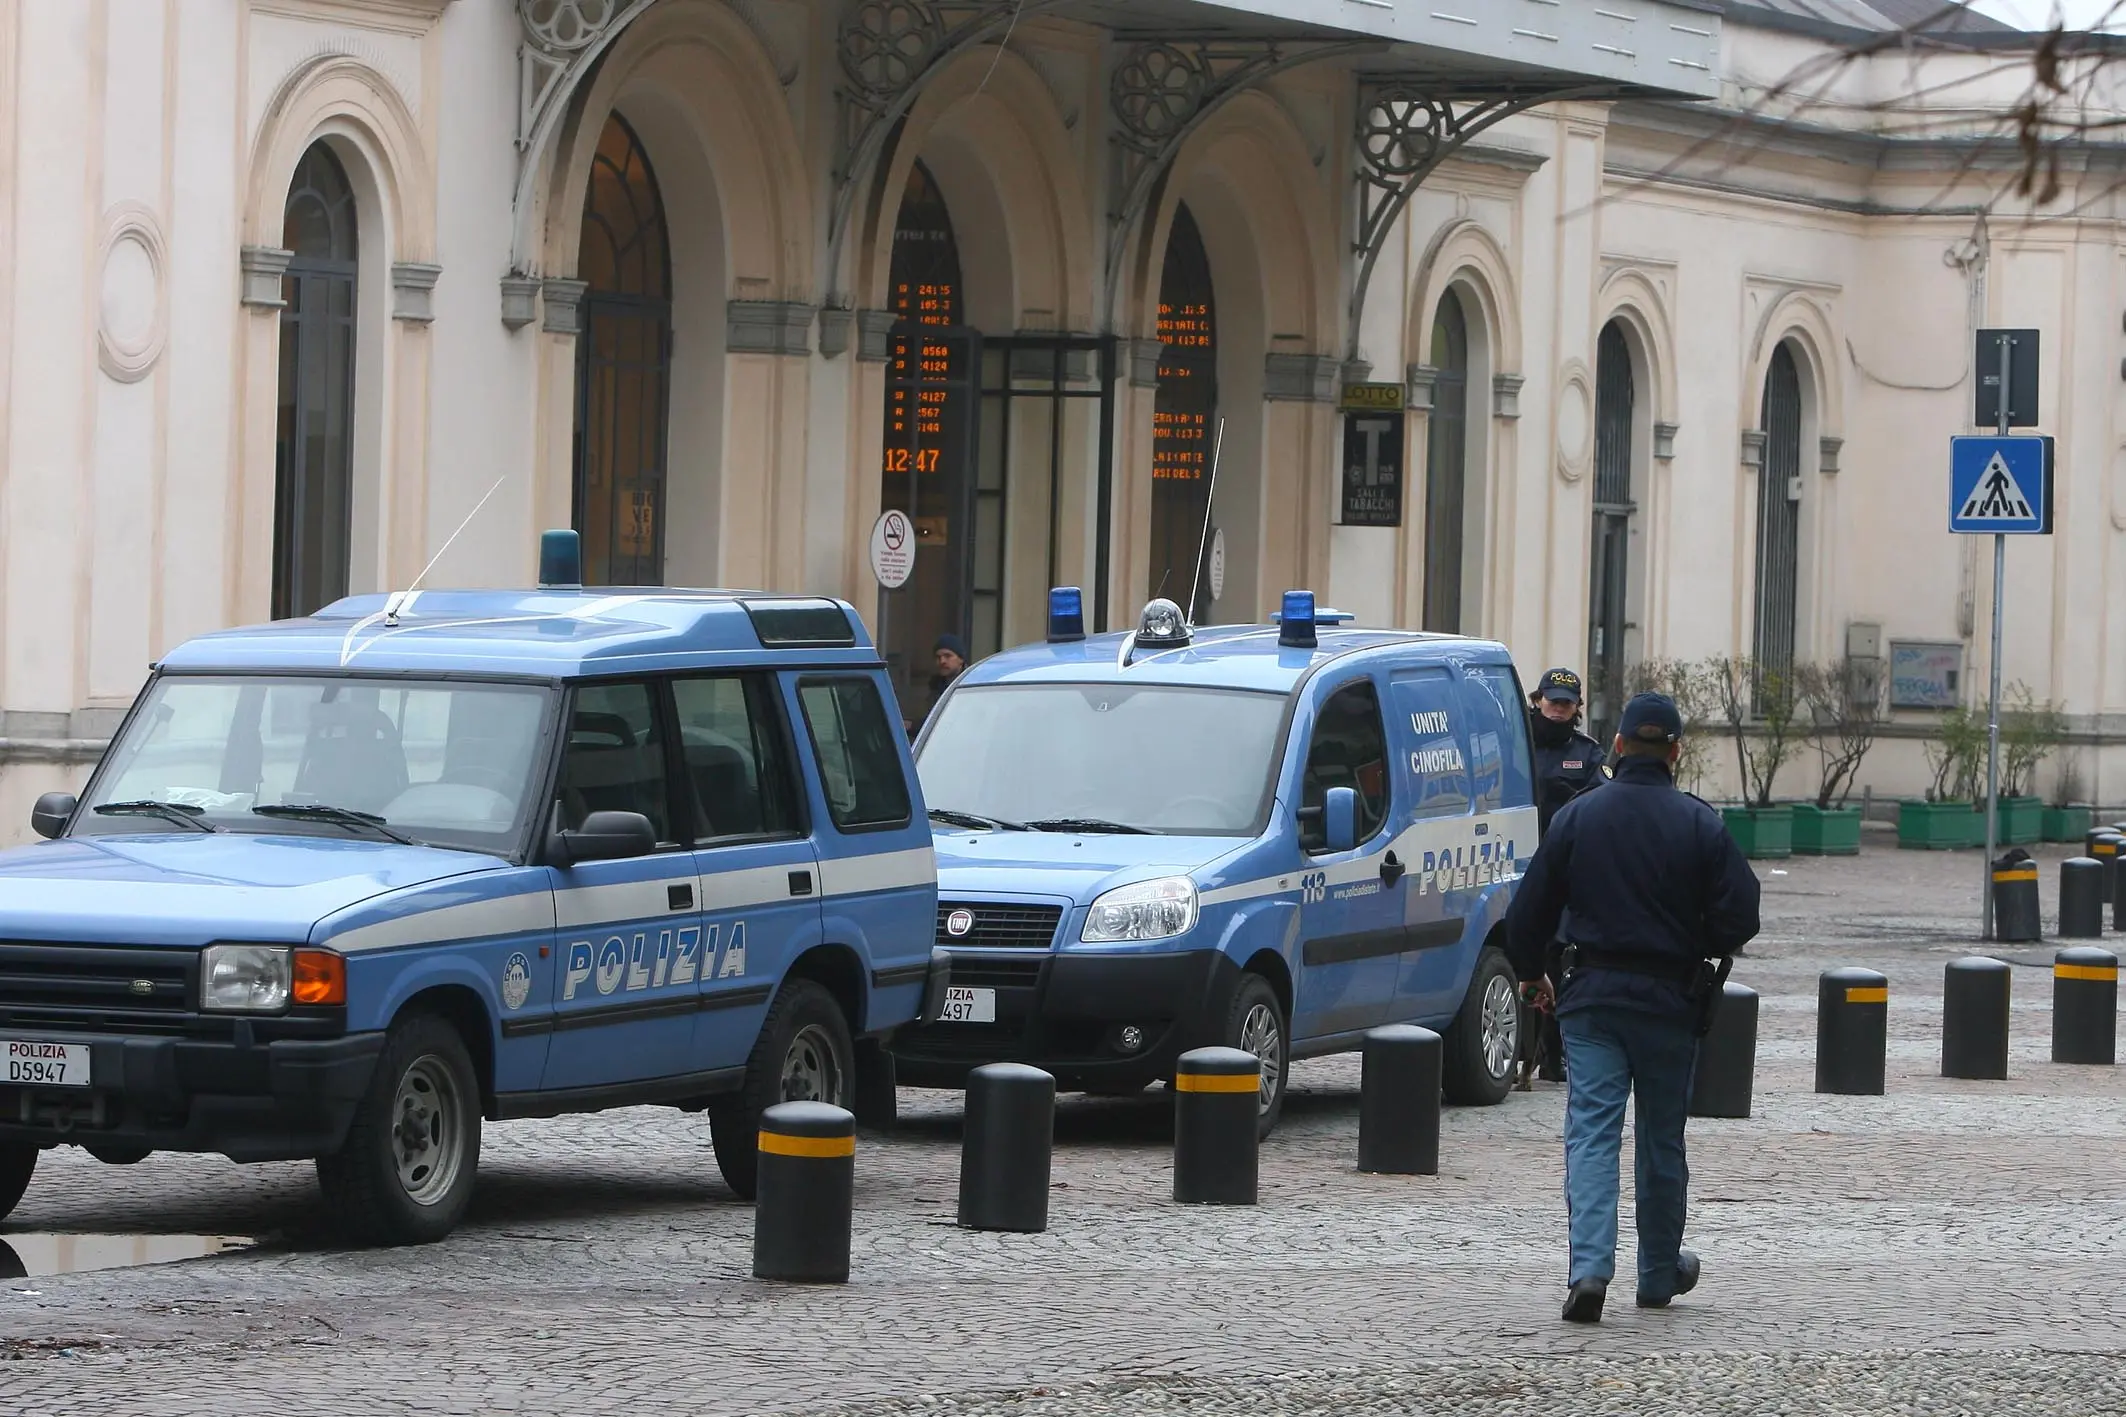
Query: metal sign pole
{"points": [[1993, 700]]}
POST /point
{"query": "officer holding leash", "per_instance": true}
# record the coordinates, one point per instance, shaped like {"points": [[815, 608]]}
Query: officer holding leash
{"points": [[1567, 763], [1647, 889]]}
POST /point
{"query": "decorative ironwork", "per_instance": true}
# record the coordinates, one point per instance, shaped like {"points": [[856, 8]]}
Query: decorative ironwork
{"points": [[1406, 129], [890, 51], [1162, 91]]}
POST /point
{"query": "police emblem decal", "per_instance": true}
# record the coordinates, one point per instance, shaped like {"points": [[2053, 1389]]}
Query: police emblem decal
{"points": [[960, 922], [516, 981]]}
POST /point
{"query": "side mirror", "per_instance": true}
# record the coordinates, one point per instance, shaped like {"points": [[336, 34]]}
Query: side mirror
{"points": [[1339, 812], [604, 836], [49, 817]]}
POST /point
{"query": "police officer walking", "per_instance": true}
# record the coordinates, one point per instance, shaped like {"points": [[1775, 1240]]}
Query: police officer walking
{"points": [[1650, 890], [1567, 761]]}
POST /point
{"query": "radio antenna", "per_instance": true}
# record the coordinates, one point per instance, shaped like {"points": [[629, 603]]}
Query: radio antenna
{"points": [[399, 598], [1208, 502]]}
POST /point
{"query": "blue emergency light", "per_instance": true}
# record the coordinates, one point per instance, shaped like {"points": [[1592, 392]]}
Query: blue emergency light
{"points": [[1066, 614], [560, 560], [1295, 620]]}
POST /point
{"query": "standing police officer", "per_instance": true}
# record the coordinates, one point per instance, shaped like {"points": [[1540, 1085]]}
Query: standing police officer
{"points": [[1567, 761], [1650, 889]]}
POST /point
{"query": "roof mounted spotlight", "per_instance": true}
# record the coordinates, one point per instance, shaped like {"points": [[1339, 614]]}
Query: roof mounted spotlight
{"points": [[1162, 626], [1066, 614], [1295, 620], [560, 560]]}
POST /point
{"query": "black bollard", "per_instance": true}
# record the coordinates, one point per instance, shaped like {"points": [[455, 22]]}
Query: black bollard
{"points": [[1005, 1148], [2105, 852], [2085, 1006], [2015, 903], [807, 1188], [1974, 1019], [1727, 1057], [2081, 898], [1398, 1102], [1852, 1031], [1217, 1100]]}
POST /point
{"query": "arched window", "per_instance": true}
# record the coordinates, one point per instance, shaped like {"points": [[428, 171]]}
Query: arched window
{"points": [[1184, 420], [1615, 400], [927, 468], [314, 452], [1779, 514], [1446, 467], [624, 366]]}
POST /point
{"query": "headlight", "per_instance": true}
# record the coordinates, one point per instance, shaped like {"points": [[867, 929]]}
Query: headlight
{"points": [[1149, 910], [252, 979]]}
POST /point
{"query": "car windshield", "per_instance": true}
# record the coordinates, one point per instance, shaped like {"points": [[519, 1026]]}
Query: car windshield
{"points": [[450, 764], [1148, 757]]}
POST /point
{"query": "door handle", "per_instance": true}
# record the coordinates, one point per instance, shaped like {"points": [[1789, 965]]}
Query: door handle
{"points": [[679, 897], [1391, 869], [800, 883]]}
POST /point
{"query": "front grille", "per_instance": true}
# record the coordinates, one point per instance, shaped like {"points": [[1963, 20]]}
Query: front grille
{"points": [[103, 987], [1022, 927], [980, 972]]}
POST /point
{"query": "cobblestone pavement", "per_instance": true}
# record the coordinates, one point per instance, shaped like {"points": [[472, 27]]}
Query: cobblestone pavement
{"points": [[1952, 1247]]}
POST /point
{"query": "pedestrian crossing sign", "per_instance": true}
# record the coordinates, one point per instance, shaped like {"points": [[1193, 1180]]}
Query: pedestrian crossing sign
{"points": [[2000, 486]]}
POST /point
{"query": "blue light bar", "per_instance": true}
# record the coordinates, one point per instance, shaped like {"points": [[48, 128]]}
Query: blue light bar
{"points": [[1066, 614], [560, 560], [1295, 620]]}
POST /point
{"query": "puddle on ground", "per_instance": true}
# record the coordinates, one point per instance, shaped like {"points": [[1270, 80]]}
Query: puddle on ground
{"points": [[30, 1256]]}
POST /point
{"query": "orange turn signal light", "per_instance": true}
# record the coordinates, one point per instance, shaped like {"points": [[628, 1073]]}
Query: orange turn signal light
{"points": [[320, 977]]}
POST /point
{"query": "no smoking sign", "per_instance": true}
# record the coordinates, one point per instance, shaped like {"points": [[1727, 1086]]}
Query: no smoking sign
{"points": [[893, 549]]}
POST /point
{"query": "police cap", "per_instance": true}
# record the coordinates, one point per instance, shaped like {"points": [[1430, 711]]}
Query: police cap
{"points": [[1560, 684], [1651, 718]]}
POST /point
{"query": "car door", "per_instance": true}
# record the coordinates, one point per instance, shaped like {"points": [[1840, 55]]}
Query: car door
{"points": [[624, 1006], [757, 870], [878, 872], [1351, 913], [1432, 770]]}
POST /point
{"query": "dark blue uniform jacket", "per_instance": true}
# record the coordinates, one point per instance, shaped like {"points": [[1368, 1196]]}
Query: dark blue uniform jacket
{"points": [[1640, 869]]}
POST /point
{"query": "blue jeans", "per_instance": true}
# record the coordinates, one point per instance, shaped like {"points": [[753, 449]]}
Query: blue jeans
{"points": [[1609, 1054]]}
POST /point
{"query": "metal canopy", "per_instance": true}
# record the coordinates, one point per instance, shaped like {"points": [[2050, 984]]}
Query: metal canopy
{"points": [[1629, 48]]}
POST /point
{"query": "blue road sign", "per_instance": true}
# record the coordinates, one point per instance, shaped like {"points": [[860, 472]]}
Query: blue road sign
{"points": [[2000, 486]]}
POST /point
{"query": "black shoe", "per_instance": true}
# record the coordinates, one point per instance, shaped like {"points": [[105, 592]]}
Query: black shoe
{"points": [[1688, 1269], [1583, 1305]]}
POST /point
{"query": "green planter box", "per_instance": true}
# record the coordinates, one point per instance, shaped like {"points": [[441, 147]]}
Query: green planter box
{"points": [[1818, 832], [2022, 820], [2068, 823], [1939, 826], [1763, 833]]}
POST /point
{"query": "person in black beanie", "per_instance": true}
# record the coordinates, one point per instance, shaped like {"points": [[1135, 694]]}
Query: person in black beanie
{"points": [[951, 655]]}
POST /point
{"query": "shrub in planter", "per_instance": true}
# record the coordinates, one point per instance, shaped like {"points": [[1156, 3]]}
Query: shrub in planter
{"points": [[1818, 832], [1763, 833], [1760, 703], [1845, 703]]}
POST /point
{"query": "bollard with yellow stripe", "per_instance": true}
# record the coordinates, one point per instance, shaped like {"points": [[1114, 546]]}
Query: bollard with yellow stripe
{"points": [[807, 1188], [1217, 1110], [1974, 1018], [1852, 1031], [2085, 1006], [2016, 917], [2082, 885]]}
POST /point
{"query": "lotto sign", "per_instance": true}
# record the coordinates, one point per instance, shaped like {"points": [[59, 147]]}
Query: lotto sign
{"points": [[2000, 486]]}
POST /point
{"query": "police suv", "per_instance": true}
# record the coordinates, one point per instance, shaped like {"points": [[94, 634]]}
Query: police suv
{"points": [[1272, 837], [342, 887]]}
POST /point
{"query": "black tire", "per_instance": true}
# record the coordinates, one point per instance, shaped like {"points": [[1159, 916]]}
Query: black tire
{"points": [[1255, 1023], [406, 1172], [804, 1020], [1479, 1071], [18, 1162]]}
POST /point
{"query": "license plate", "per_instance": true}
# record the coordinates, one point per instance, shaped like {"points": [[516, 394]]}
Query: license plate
{"points": [[969, 1006], [45, 1064]]}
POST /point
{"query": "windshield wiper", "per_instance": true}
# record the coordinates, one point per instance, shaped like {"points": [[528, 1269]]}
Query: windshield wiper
{"points": [[1089, 824], [183, 813], [973, 821], [339, 816]]}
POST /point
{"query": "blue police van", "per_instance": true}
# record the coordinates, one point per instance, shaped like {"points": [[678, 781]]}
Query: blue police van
{"points": [[343, 887], [1271, 837]]}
